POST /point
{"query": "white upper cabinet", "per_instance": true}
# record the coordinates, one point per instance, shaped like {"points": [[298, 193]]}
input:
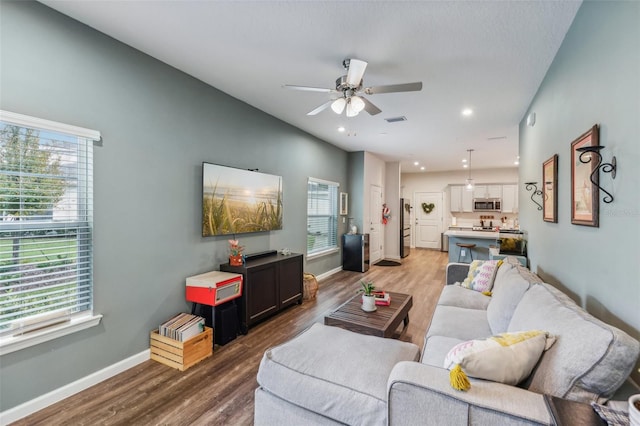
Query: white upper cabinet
{"points": [[456, 198], [467, 200], [460, 199], [487, 191], [510, 198]]}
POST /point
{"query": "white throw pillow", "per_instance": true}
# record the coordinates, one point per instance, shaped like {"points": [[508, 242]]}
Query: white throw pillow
{"points": [[482, 274]]}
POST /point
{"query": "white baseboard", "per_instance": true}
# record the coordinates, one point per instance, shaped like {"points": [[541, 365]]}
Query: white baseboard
{"points": [[18, 412], [328, 273]]}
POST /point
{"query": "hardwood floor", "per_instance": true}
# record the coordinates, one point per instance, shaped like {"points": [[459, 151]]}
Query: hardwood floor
{"points": [[219, 390]]}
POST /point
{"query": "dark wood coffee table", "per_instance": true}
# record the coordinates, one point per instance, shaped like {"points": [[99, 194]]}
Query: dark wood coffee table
{"points": [[383, 322]]}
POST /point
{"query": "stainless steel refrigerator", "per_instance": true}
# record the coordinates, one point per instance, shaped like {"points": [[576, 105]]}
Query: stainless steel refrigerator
{"points": [[405, 227]]}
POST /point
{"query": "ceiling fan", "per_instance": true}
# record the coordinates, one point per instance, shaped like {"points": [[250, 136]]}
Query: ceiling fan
{"points": [[349, 90]]}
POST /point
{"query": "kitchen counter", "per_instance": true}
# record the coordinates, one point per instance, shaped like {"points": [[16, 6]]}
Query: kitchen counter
{"points": [[483, 235]]}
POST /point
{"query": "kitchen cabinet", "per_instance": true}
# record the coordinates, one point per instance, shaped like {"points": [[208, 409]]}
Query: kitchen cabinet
{"points": [[455, 198], [467, 200], [271, 283], [487, 191], [460, 199], [510, 198]]}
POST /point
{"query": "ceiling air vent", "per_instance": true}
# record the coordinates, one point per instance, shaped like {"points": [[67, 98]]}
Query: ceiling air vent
{"points": [[396, 119]]}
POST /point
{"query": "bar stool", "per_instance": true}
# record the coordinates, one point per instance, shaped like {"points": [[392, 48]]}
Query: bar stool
{"points": [[464, 246]]}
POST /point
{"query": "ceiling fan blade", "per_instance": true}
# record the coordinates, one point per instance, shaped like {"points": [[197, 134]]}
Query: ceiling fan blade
{"points": [[355, 72], [321, 107], [369, 107], [308, 89], [393, 88]]}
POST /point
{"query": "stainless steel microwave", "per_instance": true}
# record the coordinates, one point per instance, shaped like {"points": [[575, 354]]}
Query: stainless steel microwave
{"points": [[487, 205]]}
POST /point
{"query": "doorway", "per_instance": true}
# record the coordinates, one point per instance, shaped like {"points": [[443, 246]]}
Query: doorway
{"points": [[375, 215], [428, 219]]}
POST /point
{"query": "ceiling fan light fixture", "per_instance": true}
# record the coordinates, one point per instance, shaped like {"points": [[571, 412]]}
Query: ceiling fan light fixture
{"points": [[351, 111], [357, 103], [338, 105]]}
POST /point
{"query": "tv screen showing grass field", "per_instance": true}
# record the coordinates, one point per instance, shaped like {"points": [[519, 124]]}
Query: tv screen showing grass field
{"points": [[237, 201]]}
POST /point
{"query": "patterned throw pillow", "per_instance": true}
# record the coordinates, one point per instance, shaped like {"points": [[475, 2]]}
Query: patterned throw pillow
{"points": [[481, 275], [506, 358]]}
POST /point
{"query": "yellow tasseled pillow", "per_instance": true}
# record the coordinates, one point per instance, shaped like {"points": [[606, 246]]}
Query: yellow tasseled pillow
{"points": [[506, 358]]}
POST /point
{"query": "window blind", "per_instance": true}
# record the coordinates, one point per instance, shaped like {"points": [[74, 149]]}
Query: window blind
{"points": [[322, 216], [46, 220]]}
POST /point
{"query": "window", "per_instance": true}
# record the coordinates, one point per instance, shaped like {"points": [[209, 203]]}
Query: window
{"points": [[46, 219], [322, 217]]}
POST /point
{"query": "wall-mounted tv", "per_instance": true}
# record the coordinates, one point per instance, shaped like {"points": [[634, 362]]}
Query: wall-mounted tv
{"points": [[237, 201]]}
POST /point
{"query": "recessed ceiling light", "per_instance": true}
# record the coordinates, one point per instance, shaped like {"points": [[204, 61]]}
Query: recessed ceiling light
{"points": [[467, 112], [415, 163], [465, 166], [341, 129], [517, 163], [464, 160], [422, 168]]}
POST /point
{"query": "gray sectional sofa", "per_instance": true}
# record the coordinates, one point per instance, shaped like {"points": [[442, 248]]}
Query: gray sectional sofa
{"points": [[327, 375]]}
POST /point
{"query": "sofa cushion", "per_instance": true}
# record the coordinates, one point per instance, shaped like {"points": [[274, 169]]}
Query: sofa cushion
{"points": [[334, 372], [454, 295], [436, 348], [590, 359], [508, 289], [459, 323], [505, 358]]}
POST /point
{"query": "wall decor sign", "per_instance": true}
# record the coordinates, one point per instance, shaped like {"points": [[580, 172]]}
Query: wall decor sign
{"points": [[550, 190], [584, 192]]}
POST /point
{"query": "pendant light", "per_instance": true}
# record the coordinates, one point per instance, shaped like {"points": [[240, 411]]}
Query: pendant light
{"points": [[469, 185]]}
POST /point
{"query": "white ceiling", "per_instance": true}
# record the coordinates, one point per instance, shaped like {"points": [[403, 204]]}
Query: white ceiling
{"points": [[486, 55]]}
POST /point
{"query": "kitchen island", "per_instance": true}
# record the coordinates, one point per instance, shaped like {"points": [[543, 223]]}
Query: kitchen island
{"points": [[482, 240], [510, 242]]}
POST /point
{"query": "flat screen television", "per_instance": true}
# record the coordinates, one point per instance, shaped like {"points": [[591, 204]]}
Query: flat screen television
{"points": [[238, 201]]}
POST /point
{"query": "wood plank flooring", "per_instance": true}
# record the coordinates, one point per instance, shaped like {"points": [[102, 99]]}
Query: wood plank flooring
{"points": [[219, 390]]}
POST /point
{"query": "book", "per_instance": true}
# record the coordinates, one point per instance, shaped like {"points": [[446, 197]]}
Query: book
{"points": [[384, 300]]}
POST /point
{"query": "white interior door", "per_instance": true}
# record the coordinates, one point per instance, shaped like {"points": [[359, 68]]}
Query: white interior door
{"points": [[375, 225], [428, 226]]}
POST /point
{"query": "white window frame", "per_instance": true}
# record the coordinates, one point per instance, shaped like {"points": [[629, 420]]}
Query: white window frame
{"points": [[51, 326], [332, 247]]}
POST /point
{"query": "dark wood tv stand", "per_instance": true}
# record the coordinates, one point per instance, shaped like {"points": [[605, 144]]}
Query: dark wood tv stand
{"points": [[270, 284]]}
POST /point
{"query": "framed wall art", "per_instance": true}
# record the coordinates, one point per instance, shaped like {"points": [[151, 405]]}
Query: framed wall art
{"points": [[550, 190], [344, 203], [584, 193]]}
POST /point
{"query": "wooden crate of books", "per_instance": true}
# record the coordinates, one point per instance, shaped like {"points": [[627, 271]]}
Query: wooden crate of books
{"points": [[182, 355]]}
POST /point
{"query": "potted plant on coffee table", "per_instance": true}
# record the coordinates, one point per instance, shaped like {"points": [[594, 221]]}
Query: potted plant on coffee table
{"points": [[368, 299]]}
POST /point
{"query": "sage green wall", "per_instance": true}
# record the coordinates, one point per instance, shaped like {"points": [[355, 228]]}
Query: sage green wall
{"points": [[158, 126], [595, 78]]}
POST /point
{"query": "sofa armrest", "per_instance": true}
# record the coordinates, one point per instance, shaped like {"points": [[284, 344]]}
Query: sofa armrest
{"points": [[456, 272], [421, 394]]}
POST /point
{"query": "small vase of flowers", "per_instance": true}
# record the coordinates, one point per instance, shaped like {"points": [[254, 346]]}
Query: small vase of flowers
{"points": [[235, 253]]}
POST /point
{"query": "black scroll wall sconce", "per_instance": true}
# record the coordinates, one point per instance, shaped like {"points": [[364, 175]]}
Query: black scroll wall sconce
{"points": [[533, 186], [587, 154]]}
